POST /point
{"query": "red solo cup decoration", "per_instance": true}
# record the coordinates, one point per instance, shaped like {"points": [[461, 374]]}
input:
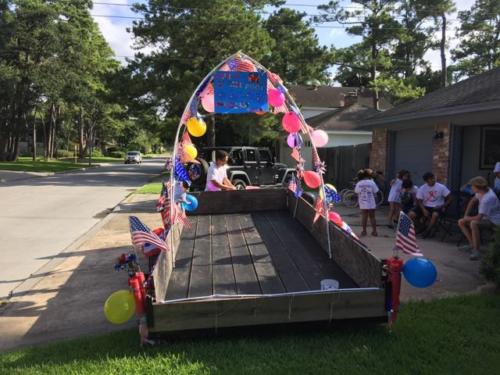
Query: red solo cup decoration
{"points": [[275, 97], [291, 122], [335, 218], [319, 138], [312, 179]]}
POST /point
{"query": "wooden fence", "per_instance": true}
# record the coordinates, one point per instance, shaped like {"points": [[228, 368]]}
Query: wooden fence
{"points": [[343, 163]]}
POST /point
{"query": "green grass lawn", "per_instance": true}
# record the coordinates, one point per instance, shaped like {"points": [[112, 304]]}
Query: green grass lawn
{"points": [[26, 164], [151, 188], [451, 336]]}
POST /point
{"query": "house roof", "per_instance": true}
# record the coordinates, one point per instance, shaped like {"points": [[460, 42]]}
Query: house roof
{"points": [[346, 118], [332, 97], [481, 92]]}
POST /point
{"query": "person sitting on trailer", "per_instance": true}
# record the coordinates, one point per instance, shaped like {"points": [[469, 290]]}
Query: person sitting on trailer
{"points": [[217, 173]]}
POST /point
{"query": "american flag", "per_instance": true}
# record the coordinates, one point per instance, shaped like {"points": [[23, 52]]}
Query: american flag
{"points": [[405, 237], [241, 65], [142, 235], [294, 186]]}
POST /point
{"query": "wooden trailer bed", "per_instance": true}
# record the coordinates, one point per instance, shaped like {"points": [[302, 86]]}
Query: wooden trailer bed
{"points": [[256, 257]]}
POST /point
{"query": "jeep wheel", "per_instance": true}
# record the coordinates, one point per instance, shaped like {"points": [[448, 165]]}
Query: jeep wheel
{"points": [[239, 184]]}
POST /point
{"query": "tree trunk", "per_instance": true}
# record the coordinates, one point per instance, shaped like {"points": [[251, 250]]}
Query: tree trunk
{"points": [[33, 135], [444, 72], [81, 154], [211, 132], [373, 74]]}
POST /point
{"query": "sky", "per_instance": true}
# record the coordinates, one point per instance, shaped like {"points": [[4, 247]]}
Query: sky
{"points": [[115, 29]]}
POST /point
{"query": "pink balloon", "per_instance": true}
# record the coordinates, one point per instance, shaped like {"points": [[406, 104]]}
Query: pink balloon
{"points": [[291, 122], [319, 138], [290, 140], [312, 179], [335, 218], [208, 102], [275, 97]]}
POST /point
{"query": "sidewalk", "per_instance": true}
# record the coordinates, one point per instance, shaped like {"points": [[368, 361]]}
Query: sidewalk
{"points": [[66, 300], [456, 273]]}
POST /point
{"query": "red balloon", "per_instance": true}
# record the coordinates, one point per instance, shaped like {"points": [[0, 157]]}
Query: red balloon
{"points": [[275, 97], [312, 179], [291, 122], [335, 218]]}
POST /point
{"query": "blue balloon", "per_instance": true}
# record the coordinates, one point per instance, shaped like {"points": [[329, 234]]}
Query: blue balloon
{"points": [[420, 272], [192, 205]]}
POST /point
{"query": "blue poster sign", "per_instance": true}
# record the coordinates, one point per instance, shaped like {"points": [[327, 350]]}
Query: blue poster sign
{"points": [[240, 92]]}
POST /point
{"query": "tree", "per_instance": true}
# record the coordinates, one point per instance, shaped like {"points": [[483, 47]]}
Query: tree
{"points": [[479, 31], [373, 21], [190, 41], [438, 10], [297, 56]]}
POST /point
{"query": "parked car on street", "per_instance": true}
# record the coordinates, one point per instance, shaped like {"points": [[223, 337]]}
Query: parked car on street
{"points": [[247, 166], [133, 157]]}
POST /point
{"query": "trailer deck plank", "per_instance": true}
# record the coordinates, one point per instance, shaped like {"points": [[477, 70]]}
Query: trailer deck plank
{"points": [[266, 252], [222, 263], [201, 271], [269, 279], [243, 266], [288, 271], [178, 285]]}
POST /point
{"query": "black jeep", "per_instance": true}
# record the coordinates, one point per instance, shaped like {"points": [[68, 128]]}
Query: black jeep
{"points": [[247, 166]]}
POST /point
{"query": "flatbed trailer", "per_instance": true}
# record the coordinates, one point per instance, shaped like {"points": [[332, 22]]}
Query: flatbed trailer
{"points": [[256, 257]]}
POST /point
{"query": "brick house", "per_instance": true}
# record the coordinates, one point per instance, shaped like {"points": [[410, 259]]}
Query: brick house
{"points": [[453, 132]]}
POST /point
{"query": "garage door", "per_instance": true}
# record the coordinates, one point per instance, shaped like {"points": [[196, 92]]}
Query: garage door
{"points": [[413, 151]]}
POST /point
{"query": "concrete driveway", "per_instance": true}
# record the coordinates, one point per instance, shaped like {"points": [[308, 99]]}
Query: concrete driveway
{"points": [[41, 216]]}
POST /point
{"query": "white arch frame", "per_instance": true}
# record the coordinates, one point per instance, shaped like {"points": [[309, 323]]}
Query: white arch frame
{"points": [[291, 101]]}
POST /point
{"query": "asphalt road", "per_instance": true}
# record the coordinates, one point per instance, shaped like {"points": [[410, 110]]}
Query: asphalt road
{"points": [[41, 216]]}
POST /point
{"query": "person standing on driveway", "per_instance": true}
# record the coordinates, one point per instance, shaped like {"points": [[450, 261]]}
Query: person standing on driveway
{"points": [[488, 214], [394, 196], [366, 189]]}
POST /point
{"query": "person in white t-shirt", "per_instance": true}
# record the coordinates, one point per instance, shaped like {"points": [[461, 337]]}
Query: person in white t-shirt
{"points": [[488, 214], [366, 189], [217, 173], [432, 200], [394, 196]]}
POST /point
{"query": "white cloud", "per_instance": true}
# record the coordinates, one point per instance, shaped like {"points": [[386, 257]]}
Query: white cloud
{"points": [[114, 29]]}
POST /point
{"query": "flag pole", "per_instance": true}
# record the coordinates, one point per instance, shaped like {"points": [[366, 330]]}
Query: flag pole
{"points": [[396, 249]]}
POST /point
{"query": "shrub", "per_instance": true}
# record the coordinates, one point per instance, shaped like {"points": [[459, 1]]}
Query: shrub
{"points": [[490, 264], [96, 153], [117, 154], [65, 154]]}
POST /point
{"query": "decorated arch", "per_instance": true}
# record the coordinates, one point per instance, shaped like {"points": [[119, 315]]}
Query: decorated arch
{"points": [[240, 84]]}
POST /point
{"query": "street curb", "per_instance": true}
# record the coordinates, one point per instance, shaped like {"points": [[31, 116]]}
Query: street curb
{"points": [[40, 273]]}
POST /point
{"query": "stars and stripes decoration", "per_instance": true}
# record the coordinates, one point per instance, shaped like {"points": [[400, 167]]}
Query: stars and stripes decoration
{"points": [[180, 172], [406, 240], [295, 187], [143, 236], [331, 196], [241, 65]]}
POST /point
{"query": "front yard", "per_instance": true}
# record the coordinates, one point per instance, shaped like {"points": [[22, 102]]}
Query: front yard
{"points": [[447, 336]]}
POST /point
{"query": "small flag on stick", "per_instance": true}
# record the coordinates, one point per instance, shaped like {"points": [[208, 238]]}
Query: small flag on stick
{"points": [[406, 240]]}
